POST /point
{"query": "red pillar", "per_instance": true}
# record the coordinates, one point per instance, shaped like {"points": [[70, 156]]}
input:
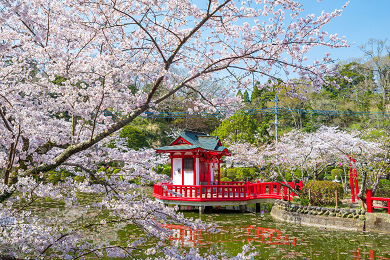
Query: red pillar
{"points": [[219, 172], [369, 201], [351, 179], [208, 173], [171, 166], [182, 170], [194, 170], [356, 178]]}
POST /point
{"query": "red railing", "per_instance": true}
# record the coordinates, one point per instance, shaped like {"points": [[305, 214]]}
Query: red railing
{"points": [[370, 200], [226, 192]]}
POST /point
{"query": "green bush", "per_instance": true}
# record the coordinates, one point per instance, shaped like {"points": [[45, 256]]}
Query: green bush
{"points": [[79, 178], [53, 177], [383, 193], [304, 202], [240, 173], [337, 172], [231, 173], [322, 193], [321, 176], [328, 177], [57, 176], [288, 176], [384, 183], [167, 171], [298, 173], [225, 179], [134, 137]]}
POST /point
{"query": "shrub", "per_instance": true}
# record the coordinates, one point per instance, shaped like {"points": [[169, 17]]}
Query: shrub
{"points": [[79, 178], [288, 176], [321, 176], [53, 177], [225, 179], [384, 183], [231, 173], [336, 172], [383, 193], [304, 202], [166, 171], [322, 193], [134, 137]]}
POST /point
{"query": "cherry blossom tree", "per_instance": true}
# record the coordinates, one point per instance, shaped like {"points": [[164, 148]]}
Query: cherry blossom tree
{"points": [[313, 152], [73, 73]]}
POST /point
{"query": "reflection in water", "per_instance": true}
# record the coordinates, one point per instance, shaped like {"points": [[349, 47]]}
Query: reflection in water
{"points": [[275, 240], [357, 255], [190, 237]]}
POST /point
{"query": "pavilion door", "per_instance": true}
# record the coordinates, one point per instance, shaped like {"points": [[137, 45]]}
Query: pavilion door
{"points": [[203, 173]]}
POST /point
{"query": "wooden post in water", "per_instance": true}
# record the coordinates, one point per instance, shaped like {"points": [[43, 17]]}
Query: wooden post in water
{"points": [[337, 199], [258, 207], [309, 198], [201, 209]]}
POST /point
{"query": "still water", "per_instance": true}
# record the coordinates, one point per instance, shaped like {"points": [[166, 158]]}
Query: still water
{"points": [[276, 240]]}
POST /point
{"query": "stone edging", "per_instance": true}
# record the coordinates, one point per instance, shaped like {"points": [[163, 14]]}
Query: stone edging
{"points": [[331, 212], [341, 219], [352, 224]]}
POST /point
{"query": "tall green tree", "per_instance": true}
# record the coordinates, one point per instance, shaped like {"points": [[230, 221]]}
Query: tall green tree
{"points": [[255, 93], [246, 97], [239, 127], [239, 94]]}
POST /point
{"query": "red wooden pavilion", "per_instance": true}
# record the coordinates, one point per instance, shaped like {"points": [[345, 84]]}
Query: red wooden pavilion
{"points": [[196, 177]]}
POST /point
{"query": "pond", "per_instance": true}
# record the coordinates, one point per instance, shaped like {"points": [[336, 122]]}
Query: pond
{"points": [[276, 240], [271, 239]]}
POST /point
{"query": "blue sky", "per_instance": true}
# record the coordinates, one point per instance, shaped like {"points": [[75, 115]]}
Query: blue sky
{"points": [[360, 21]]}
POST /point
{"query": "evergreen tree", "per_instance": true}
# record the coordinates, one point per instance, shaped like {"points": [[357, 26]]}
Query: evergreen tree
{"points": [[246, 97], [256, 93], [239, 94]]}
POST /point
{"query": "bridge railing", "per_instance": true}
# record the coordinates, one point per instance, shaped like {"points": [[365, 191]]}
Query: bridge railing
{"points": [[226, 192], [370, 201]]}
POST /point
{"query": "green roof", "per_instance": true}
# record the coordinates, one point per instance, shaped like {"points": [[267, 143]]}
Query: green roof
{"points": [[196, 140]]}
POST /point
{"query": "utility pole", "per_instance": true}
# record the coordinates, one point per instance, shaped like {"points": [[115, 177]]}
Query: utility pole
{"points": [[276, 117]]}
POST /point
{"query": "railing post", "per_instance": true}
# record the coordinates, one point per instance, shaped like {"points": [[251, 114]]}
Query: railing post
{"points": [[301, 185], [293, 186], [369, 200], [388, 206], [285, 192], [248, 189]]}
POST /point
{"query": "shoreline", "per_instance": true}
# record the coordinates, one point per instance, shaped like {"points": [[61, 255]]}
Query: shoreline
{"points": [[372, 222]]}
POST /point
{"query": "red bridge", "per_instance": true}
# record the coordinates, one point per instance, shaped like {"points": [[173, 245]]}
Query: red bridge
{"points": [[227, 193]]}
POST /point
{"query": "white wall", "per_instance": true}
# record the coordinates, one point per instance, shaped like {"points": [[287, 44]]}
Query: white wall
{"points": [[177, 175], [211, 172], [188, 177]]}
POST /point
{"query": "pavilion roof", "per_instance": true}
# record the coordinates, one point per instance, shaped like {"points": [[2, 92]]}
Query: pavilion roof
{"points": [[194, 140]]}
